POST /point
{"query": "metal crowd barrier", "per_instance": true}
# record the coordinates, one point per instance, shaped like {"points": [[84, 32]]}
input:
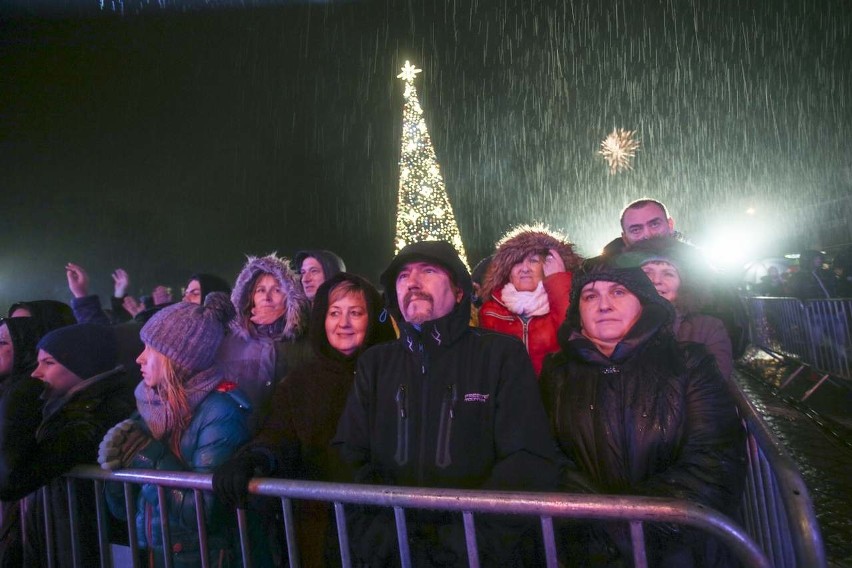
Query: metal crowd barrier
{"points": [[813, 333], [779, 525]]}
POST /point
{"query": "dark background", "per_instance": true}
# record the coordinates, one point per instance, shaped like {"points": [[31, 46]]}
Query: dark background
{"points": [[169, 139]]}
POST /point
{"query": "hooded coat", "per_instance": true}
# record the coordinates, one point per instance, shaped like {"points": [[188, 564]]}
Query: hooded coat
{"points": [[691, 324], [296, 439], [537, 332], [654, 418], [48, 314], [440, 407], [24, 333], [258, 357]]}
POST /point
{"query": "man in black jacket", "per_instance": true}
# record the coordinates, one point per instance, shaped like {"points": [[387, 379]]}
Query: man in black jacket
{"points": [[445, 405]]}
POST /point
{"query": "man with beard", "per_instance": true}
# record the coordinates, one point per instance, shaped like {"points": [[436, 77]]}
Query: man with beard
{"points": [[445, 405]]}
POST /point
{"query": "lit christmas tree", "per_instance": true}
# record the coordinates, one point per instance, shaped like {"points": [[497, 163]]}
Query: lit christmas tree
{"points": [[424, 212]]}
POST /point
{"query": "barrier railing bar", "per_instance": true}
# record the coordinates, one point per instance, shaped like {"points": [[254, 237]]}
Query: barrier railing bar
{"points": [[73, 521], [789, 379], [290, 532], [762, 507], [775, 527], [750, 501], [102, 519], [245, 545], [470, 540], [130, 507], [804, 531], [637, 538], [549, 541], [813, 389], [203, 544], [164, 525], [579, 507], [402, 537], [48, 528], [342, 535]]}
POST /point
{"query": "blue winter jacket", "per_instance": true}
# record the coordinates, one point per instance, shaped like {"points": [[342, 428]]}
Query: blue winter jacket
{"points": [[219, 427]]}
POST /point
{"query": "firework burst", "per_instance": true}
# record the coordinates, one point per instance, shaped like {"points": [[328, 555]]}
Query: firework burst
{"points": [[619, 149]]}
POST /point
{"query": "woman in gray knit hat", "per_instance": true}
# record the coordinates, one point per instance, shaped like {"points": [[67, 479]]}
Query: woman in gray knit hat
{"points": [[189, 419], [637, 413]]}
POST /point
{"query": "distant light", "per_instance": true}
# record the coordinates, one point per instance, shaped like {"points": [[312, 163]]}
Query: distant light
{"points": [[751, 211], [792, 256]]}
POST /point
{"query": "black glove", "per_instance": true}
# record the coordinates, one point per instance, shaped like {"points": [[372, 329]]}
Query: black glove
{"points": [[231, 479]]}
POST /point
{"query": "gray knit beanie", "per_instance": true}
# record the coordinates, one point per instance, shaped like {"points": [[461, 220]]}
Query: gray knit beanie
{"points": [[190, 334]]}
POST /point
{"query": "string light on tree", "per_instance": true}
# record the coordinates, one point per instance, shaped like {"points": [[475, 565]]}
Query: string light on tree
{"points": [[619, 149], [424, 212]]}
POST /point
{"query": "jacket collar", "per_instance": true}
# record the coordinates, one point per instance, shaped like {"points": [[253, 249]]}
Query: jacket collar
{"points": [[649, 324], [438, 335]]}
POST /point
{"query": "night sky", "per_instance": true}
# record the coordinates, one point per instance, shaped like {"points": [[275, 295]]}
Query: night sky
{"points": [[173, 141]]}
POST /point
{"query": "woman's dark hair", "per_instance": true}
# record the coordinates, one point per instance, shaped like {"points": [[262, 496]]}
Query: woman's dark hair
{"points": [[379, 328]]}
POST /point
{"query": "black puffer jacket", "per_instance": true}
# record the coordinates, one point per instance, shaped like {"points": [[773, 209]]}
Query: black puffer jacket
{"points": [[655, 419], [444, 406], [39, 443]]}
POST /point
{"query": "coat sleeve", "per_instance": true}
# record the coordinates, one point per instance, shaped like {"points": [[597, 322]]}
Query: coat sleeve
{"points": [[88, 310], [718, 343], [222, 429], [277, 442], [558, 288], [526, 455], [571, 478], [710, 468], [353, 430], [26, 462]]}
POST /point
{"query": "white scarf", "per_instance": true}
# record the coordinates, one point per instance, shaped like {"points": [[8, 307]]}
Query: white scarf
{"points": [[526, 304]]}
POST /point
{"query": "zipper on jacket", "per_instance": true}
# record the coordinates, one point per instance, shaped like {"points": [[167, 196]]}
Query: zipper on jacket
{"points": [[402, 421], [526, 337], [445, 429], [424, 413]]}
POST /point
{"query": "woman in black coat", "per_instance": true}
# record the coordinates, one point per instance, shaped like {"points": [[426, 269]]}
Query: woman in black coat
{"points": [[295, 441], [637, 413]]}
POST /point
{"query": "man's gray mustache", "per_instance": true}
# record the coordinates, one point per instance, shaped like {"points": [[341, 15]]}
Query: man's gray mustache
{"points": [[415, 296]]}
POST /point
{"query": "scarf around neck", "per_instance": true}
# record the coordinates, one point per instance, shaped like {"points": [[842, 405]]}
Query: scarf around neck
{"points": [[153, 408], [526, 304]]}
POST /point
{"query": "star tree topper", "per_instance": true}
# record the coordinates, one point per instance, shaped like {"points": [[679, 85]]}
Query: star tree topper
{"points": [[409, 72]]}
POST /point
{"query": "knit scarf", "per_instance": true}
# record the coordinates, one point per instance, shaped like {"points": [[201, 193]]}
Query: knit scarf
{"points": [[526, 304], [153, 408]]}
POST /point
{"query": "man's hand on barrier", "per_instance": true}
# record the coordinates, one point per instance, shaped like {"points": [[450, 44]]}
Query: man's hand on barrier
{"points": [[121, 444], [231, 479]]}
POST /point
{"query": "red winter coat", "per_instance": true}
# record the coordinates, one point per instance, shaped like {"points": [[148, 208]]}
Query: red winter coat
{"points": [[539, 332]]}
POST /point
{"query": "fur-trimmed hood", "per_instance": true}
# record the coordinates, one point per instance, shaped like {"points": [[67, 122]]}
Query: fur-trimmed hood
{"points": [[296, 314], [518, 243]]}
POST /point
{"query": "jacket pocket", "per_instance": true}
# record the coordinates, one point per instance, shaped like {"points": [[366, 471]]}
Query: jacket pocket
{"points": [[401, 456], [443, 458]]}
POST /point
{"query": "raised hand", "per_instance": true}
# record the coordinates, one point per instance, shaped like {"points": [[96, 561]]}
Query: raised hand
{"points": [[78, 280]]}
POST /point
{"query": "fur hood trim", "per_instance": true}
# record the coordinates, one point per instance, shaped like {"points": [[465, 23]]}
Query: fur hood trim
{"points": [[296, 315], [519, 242]]}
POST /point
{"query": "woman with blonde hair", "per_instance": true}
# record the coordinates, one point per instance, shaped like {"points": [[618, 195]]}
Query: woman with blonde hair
{"points": [[189, 419]]}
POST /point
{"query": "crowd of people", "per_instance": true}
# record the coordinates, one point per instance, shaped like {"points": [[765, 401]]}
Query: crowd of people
{"points": [[810, 279], [542, 372]]}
